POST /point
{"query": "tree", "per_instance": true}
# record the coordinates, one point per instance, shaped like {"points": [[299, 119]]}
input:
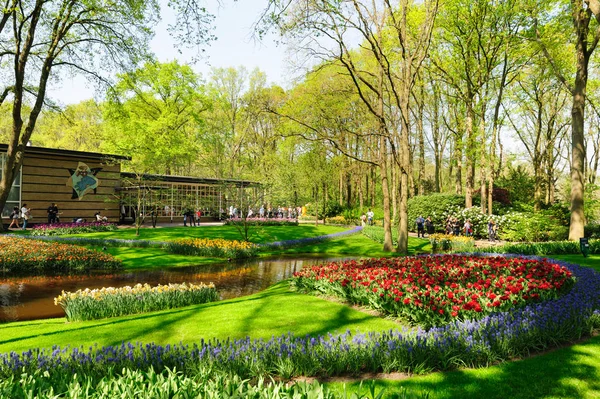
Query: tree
{"points": [[154, 114], [395, 41], [39, 39], [586, 38]]}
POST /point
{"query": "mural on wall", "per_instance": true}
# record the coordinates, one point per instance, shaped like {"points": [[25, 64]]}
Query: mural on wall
{"points": [[83, 180]]}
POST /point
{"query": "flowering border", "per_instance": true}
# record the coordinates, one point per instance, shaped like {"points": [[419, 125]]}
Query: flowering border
{"points": [[497, 337]]}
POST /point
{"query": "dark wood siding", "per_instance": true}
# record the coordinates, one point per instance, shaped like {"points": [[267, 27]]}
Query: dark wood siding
{"points": [[45, 179]]}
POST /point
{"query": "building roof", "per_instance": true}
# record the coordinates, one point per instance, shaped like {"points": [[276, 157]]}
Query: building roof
{"points": [[78, 154], [190, 180]]}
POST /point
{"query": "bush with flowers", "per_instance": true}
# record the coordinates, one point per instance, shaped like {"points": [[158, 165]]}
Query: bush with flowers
{"points": [[113, 302], [435, 290], [218, 248], [71, 228], [22, 255]]}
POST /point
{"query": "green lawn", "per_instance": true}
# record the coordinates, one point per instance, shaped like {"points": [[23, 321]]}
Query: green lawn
{"points": [[570, 372], [274, 311], [153, 258], [259, 234]]}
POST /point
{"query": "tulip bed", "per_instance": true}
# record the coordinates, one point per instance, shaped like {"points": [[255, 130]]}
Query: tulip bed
{"points": [[113, 302], [21, 255], [218, 248], [71, 228], [434, 290]]}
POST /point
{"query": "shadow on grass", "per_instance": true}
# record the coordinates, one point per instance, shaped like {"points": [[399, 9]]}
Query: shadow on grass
{"points": [[571, 372]]}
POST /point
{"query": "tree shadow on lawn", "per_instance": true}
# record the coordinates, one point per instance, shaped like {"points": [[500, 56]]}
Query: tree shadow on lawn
{"points": [[176, 325], [570, 372]]}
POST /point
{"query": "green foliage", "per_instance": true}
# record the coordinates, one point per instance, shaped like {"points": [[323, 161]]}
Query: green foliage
{"points": [[542, 248], [114, 302], [519, 183], [376, 234], [140, 384], [533, 227], [153, 115], [435, 206]]}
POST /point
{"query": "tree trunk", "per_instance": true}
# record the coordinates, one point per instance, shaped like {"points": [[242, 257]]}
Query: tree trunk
{"points": [[576, 229], [470, 179], [421, 134]]}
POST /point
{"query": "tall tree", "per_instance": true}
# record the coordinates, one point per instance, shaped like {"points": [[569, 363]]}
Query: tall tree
{"points": [[155, 115], [584, 15], [93, 37], [395, 38]]}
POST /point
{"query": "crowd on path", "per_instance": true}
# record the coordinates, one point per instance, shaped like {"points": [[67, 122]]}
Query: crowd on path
{"points": [[454, 227]]}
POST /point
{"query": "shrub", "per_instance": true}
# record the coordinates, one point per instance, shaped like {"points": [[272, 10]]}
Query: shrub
{"points": [[71, 228], [434, 205], [113, 302], [218, 248], [22, 255], [533, 227]]}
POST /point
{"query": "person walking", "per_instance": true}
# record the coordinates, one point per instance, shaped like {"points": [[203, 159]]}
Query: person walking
{"points": [[468, 228], [429, 226], [420, 226], [14, 218], [492, 230], [370, 216], [25, 214]]}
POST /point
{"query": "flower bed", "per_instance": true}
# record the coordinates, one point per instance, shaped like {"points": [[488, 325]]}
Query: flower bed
{"points": [[470, 343], [71, 228], [21, 255], [446, 242], [263, 221], [113, 302], [434, 290], [218, 248]]}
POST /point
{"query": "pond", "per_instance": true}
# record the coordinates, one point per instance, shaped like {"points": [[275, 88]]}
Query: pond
{"points": [[30, 298]]}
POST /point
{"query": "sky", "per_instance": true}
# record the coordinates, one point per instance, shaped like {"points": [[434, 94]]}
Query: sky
{"points": [[235, 46]]}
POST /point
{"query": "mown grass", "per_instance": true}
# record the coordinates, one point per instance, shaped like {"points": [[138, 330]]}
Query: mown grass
{"points": [[570, 372], [258, 234], [274, 311]]}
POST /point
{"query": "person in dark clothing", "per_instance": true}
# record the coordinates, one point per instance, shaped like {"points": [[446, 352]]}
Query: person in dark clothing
{"points": [[429, 226], [52, 213], [420, 227]]}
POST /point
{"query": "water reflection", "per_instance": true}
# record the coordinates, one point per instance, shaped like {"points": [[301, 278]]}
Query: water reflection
{"points": [[29, 298]]}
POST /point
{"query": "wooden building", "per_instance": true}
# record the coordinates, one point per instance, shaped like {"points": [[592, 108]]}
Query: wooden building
{"points": [[83, 183], [80, 183]]}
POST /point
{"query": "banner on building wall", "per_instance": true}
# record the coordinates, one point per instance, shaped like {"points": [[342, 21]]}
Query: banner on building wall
{"points": [[83, 180]]}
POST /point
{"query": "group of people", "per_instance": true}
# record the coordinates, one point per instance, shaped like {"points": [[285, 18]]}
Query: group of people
{"points": [[192, 217], [453, 227], [367, 218], [17, 214], [289, 212], [424, 225]]}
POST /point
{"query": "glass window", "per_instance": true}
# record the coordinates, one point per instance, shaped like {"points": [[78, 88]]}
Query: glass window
{"points": [[14, 196]]}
